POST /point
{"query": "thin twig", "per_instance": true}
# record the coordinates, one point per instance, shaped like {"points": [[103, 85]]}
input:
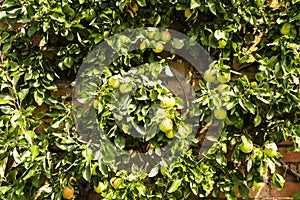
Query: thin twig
{"points": [[291, 171]]}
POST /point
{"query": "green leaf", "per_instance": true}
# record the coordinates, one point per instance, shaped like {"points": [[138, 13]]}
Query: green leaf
{"points": [[153, 172], [278, 181], [221, 160], [29, 136], [257, 120], [212, 7], [175, 185], [296, 196], [39, 99], [119, 141], [195, 4], [34, 151], [142, 2], [22, 94], [243, 189], [87, 173]]}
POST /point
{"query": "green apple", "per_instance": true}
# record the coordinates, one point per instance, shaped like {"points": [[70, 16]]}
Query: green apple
{"points": [[167, 102], [247, 145], [187, 13], [114, 81], [159, 47], [100, 188], [220, 113], [165, 36], [221, 44], [125, 88], [209, 76], [224, 78], [285, 29], [223, 88], [246, 148], [271, 149], [170, 134], [166, 125], [258, 185]]}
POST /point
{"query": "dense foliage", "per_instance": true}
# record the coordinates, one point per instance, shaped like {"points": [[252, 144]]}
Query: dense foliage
{"points": [[254, 43]]}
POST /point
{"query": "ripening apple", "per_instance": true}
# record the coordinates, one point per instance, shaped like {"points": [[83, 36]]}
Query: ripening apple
{"points": [[165, 36], [95, 104], [166, 125], [68, 192], [114, 81], [209, 76], [271, 149], [117, 182]]}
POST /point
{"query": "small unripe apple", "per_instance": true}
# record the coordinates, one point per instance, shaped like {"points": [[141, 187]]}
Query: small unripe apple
{"points": [[187, 13], [221, 44], [125, 88], [114, 81], [223, 87], [224, 78], [100, 187], [166, 125], [285, 29], [167, 102], [246, 146], [220, 113], [271, 149], [209, 76], [159, 47], [170, 134]]}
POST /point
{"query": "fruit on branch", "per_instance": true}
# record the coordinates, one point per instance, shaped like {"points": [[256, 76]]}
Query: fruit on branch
{"points": [[166, 125], [209, 76], [220, 113], [247, 145], [270, 149], [114, 81], [167, 102], [285, 29], [68, 192]]}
